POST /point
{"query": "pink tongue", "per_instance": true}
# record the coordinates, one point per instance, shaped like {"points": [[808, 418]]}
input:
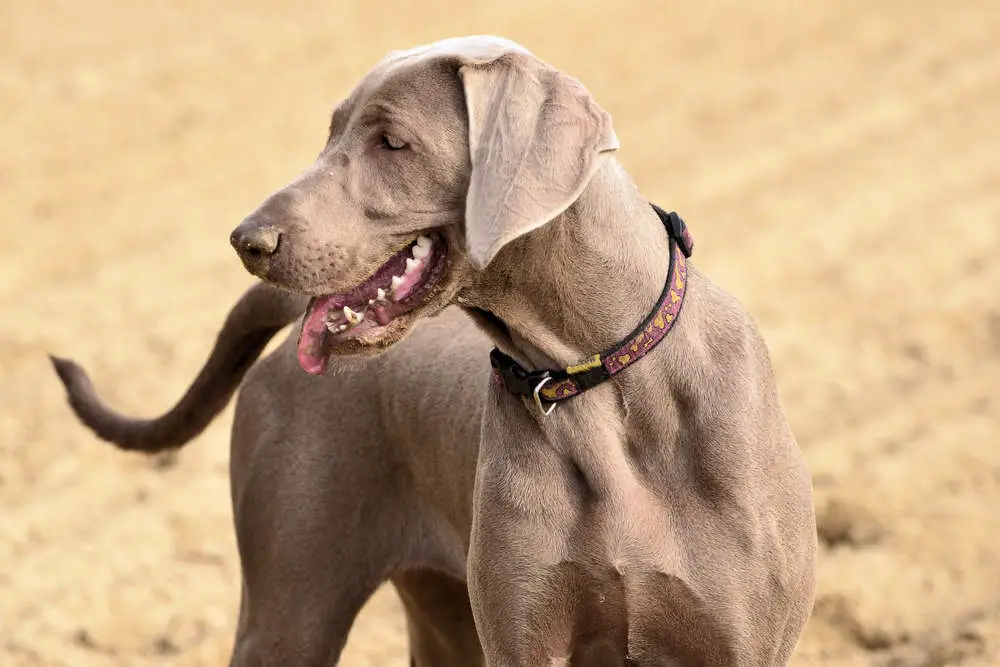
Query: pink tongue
{"points": [[310, 351]]}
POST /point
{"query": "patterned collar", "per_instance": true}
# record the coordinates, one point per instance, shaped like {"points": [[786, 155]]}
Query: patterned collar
{"points": [[548, 387]]}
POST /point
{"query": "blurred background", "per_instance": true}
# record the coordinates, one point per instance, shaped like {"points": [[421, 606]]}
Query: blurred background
{"points": [[838, 162]]}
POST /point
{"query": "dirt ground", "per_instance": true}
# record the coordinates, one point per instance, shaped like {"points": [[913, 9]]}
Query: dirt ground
{"points": [[839, 164]]}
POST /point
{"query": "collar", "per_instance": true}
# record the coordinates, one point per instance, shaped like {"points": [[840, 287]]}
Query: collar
{"points": [[551, 386]]}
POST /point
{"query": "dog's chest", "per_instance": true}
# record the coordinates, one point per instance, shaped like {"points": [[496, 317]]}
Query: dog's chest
{"points": [[636, 588], [619, 615]]}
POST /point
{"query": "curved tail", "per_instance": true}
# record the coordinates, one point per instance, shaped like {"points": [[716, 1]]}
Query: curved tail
{"points": [[259, 314]]}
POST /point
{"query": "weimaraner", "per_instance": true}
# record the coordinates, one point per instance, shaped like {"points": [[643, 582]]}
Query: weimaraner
{"points": [[638, 496]]}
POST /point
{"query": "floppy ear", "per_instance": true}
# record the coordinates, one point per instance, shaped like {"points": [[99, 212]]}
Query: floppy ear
{"points": [[535, 139]]}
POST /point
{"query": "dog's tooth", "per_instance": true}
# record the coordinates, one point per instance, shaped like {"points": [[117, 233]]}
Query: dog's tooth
{"points": [[419, 251], [424, 242], [396, 282], [380, 295], [353, 317], [412, 264]]}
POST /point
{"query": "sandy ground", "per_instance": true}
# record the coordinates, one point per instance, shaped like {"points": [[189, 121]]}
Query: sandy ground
{"points": [[839, 165]]}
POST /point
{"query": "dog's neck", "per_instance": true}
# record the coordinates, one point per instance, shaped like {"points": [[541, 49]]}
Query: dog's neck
{"points": [[584, 281], [575, 288]]}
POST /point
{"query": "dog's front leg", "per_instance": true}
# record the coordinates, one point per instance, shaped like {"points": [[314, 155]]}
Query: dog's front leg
{"points": [[313, 515], [542, 592], [308, 568]]}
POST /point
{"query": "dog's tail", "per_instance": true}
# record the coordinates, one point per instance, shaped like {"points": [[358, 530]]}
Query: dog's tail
{"points": [[259, 314]]}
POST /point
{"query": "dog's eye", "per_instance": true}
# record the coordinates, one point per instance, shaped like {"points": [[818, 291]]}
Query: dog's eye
{"points": [[391, 143]]}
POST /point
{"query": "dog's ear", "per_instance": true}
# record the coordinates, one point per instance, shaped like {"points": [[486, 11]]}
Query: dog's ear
{"points": [[536, 137]]}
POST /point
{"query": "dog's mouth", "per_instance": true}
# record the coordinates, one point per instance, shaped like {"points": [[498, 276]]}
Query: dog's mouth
{"points": [[368, 312]]}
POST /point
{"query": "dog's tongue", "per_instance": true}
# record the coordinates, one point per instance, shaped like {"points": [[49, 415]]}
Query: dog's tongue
{"points": [[310, 352]]}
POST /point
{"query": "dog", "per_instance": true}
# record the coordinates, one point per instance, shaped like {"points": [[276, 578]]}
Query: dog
{"points": [[638, 497]]}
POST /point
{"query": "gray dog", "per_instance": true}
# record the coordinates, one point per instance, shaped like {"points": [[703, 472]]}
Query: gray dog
{"points": [[638, 496]]}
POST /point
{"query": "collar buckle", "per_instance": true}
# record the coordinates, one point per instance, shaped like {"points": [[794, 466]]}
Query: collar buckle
{"points": [[538, 399], [517, 380]]}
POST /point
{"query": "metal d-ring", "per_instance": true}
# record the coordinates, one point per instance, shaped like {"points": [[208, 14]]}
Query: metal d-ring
{"points": [[538, 399]]}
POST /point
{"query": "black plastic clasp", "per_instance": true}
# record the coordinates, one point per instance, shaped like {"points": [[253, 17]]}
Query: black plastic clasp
{"points": [[681, 234], [677, 229], [515, 378]]}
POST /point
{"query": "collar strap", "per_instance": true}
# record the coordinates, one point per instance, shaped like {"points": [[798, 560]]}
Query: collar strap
{"points": [[552, 386]]}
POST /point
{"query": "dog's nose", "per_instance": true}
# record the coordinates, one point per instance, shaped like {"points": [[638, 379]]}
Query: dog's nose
{"points": [[256, 240], [255, 243]]}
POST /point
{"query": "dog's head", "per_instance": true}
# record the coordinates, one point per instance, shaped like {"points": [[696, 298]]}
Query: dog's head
{"points": [[439, 158]]}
